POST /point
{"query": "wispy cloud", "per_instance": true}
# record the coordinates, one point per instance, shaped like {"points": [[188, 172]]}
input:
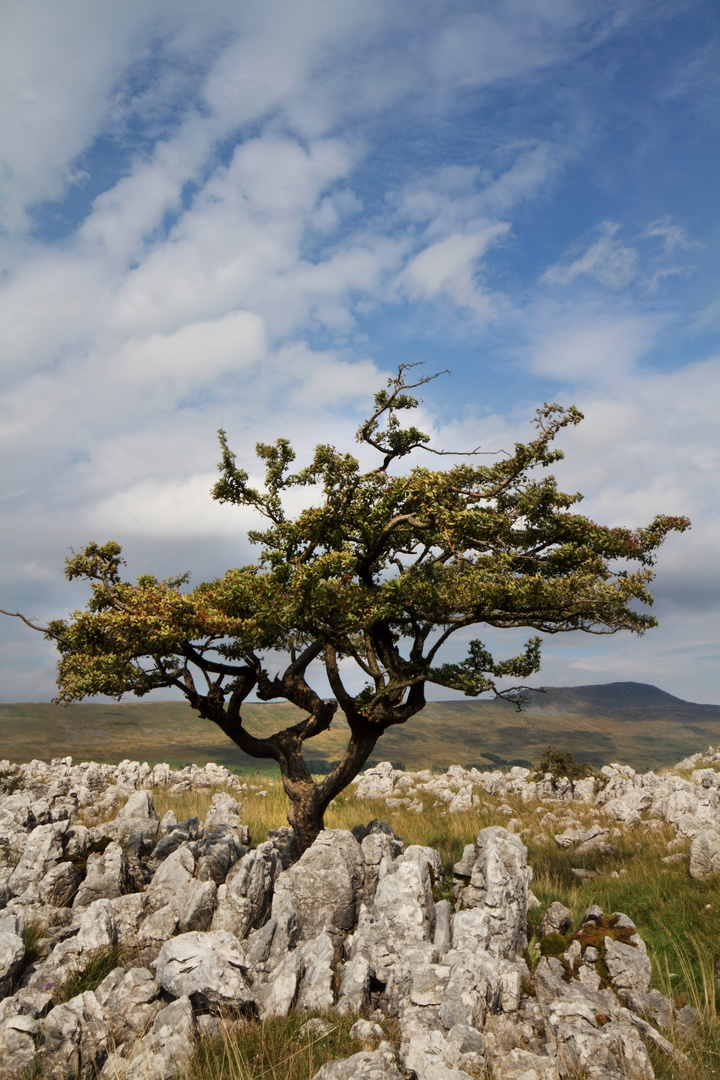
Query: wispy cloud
{"points": [[608, 260]]}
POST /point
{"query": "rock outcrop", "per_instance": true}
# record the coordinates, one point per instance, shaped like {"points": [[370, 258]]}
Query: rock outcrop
{"points": [[201, 925]]}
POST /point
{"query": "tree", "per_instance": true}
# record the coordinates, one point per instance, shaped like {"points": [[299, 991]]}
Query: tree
{"points": [[377, 576]]}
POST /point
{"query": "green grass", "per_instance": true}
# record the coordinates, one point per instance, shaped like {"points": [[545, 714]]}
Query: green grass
{"points": [[97, 965], [273, 1050]]}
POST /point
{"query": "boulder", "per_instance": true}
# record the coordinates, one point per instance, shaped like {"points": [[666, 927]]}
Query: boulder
{"points": [[325, 884], [520, 1064], [498, 886], [131, 999], [377, 1064], [556, 920], [245, 899], [107, 876], [165, 1052], [206, 967], [74, 1042], [584, 1029], [705, 855], [59, 885], [629, 966], [18, 1037], [43, 850], [12, 954]]}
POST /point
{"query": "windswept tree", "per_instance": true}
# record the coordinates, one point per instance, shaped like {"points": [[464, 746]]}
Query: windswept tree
{"points": [[377, 577]]}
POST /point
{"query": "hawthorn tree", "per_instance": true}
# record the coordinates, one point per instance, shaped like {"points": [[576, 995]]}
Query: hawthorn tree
{"points": [[377, 576]]}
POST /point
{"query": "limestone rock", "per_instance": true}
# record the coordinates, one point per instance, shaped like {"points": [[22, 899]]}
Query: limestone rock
{"points": [[207, 967], [705, 855], [520, 1064], [498, 887], [12, 953], [325, 883], [557, 919], [18, 1036], [43, 850], [74, 1041], [107, 876], [377, 1064], [245, 899], [629, 966], [131, 999]]}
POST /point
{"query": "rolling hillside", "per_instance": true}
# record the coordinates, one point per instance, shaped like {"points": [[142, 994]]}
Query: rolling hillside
{"points": [[631, 722]]}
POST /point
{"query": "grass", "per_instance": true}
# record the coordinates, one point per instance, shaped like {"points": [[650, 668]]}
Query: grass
{"points": [[97, 966], [273, 1050]]}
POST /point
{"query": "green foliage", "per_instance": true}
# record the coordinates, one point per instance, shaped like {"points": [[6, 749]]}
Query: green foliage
{"points": [[376, 576], [562, 764]]}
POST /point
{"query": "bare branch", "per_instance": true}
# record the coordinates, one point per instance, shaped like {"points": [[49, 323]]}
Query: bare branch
{"points": [[28, 622]]}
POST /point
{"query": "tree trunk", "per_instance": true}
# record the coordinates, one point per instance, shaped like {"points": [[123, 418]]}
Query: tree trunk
{"points": [[306, 814], [310, 799]]}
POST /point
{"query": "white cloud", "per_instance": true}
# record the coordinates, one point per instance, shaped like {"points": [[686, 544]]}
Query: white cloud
{"points": [[608, 260], [596, 347], [447, 268]]}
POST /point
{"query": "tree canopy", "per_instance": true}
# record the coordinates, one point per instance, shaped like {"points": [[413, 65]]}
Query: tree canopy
{"points": [[376, 577]]}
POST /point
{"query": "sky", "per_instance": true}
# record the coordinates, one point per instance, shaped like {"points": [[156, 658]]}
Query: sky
{"points": [[247, 215]]}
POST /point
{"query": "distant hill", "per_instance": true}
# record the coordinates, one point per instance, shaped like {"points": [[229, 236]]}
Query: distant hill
{"points": [[625, 721]]}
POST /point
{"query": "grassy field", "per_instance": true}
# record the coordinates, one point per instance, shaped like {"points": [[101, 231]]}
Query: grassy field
{"points": [[676, 916], [629, 722]]}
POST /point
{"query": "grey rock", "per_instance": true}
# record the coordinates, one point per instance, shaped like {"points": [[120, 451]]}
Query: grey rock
{"points": [[218, 851], [432, 860], [74, 1041], [498, 886], [584, 1028], [430, 1056], [557, 919], [316, 990], [98, 928], [705, 855], [176, 886], [629, 967], [107, 876], [163, 1053], [650, 1034], [18, 1035], [377, 1064], [520, 1064], [442, 938], [60, 885], [244, 900], [276, 994], [317, 1028], [473, 990], [131, 999], [325, 884], [42, 851], [207, 967], [366, 1031], [354, 991], [12, 954], [404, 902], [224, 810], [378, 849], [652, 1004]]}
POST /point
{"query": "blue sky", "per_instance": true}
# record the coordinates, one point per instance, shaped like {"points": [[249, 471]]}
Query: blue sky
{"points": [[247, 215]]}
